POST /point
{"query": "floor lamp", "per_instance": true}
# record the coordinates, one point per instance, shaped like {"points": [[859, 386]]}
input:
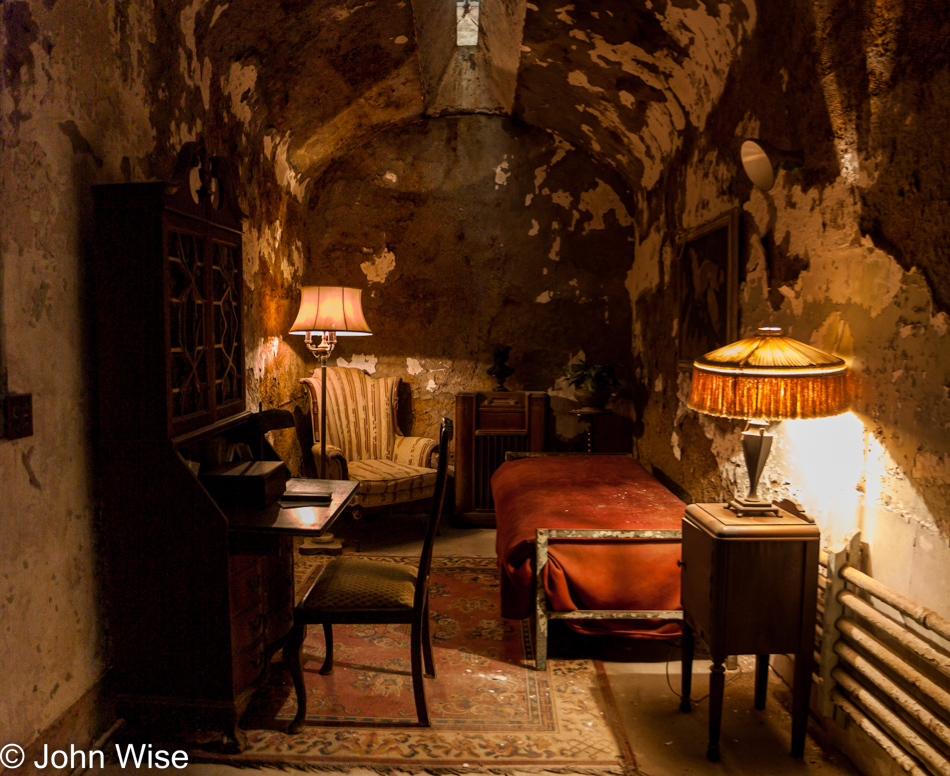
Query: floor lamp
{"points": [[330, 312], [761, 379]]}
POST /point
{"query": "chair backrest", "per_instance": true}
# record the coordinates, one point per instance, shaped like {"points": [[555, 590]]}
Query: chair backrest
{"points": [[361, 412], [435, 516]]}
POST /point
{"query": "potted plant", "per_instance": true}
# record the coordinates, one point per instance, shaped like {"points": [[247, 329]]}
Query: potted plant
{"points": [[593, 383]]}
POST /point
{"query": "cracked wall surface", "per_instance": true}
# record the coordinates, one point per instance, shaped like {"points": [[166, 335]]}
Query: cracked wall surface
{"points": [[816, 257], [554, 229], [441, 225], [61, 131], [96, 93], [629, 82]]}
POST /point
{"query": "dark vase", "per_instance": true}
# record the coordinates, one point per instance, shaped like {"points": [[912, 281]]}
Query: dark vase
{"points": [[593, 400], [500, 370]]}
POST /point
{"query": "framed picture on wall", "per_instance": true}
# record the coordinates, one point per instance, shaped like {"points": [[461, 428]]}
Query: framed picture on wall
{"points": [[709, 287]]}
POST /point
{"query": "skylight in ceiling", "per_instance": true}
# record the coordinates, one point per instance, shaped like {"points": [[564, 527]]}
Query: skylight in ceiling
{"points": [[466, 29]]}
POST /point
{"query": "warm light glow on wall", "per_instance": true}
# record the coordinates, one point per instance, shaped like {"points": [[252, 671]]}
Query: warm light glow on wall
{"points": [[824, 459], [887, 489], [842, 475]]}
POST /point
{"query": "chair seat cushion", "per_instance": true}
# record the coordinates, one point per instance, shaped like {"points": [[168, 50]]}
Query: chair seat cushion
{"points": [[352, 583], [385, 482]]}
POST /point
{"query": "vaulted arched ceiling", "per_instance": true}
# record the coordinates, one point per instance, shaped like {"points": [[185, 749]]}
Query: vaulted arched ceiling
{"points": [[626, 80]]}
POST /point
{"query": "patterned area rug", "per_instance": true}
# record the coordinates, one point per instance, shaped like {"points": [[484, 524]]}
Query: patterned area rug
{"points": [[490, 710]]}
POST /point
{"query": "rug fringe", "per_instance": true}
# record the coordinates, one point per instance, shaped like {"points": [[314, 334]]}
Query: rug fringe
{"points": [[600, 751], [429, 770]]}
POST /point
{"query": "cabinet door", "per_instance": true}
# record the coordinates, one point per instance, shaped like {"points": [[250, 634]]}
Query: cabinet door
{"points": [[488, 426], [226, 329], [187, 312], [761, 585], [204, 334]]}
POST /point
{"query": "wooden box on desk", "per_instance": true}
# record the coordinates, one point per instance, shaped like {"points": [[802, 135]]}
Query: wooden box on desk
{"points": [[254, 484]]}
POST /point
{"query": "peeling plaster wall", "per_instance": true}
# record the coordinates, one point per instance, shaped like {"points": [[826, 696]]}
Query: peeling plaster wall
{"points": [[467, 232], [62, 131], [629, 81], [834, 255], [157, 83], [555, 231], [327, 74]]}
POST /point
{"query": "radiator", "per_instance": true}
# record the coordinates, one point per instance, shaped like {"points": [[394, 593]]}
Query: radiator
{"points": [[488, 425], [884, 665], [490, 450]]}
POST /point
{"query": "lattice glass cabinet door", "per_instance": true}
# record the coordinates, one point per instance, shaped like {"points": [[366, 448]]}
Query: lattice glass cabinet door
{"points": [[187, 305], [228, 376]]}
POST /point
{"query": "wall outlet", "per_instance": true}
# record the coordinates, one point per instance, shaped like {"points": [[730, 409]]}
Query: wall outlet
{"points": [[17, 415]]}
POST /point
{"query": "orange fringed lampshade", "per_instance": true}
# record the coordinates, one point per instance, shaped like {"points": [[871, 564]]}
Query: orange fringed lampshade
{"points": [[769, 377]]}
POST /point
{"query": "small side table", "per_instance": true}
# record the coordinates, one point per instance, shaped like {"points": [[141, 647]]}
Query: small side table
{"points": [[749, 587], [586, 415]]}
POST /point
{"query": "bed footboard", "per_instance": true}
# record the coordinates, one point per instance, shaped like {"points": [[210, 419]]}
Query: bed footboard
{"points": [[543, 611]]}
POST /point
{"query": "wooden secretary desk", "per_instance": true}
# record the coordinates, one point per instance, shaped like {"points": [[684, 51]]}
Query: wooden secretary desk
{"points": [[196, 606]]}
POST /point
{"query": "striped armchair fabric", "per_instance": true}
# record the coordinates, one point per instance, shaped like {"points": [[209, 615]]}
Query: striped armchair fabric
{"points": [[364, 443]]}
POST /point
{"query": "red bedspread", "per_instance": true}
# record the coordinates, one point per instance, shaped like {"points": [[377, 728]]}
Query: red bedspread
{"points": [[588, 492]]}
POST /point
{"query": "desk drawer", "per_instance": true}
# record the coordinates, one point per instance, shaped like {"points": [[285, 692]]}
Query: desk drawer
{"points": [[248, 663], [245, 585], [279, 620], [247, 627]]}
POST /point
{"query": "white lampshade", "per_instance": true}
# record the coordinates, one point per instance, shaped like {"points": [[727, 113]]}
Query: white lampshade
{"points": [[336, 309]]}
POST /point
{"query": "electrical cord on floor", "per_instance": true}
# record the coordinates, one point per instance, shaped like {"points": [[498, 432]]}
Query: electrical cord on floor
{"points": [[728, 681]]}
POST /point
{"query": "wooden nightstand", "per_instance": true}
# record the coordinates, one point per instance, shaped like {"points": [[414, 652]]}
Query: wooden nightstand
{"points": [[749, 587]]}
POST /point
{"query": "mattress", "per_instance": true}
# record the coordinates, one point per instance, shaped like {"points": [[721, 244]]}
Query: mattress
{"points": [[588, 492]]}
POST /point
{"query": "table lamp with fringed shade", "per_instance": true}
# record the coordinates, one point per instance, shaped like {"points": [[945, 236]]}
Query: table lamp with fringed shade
{"points": [[329, 311], [765, 378]]}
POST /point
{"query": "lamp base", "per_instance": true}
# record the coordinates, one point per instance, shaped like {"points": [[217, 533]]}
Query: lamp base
{"points": [[752, 507]]}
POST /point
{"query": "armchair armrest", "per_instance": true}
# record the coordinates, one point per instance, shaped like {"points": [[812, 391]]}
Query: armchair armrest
{"points": [[414, 451], [336, 462]]}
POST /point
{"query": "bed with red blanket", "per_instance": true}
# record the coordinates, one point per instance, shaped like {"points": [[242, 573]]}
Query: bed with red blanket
{"points": [[589, 574]]}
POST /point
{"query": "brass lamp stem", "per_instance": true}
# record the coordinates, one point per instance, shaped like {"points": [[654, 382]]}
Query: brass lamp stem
{"points": [[756, 445], [322, 351]]}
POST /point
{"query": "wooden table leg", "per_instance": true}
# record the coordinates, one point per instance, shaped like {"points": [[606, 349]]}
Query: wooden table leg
{"points": [[688, 643], [717, 683], [761, 680], [801, 688], [801, 693]]}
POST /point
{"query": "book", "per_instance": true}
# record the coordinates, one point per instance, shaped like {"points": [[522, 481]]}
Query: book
{"points": [[305, 499], [302, 493]]}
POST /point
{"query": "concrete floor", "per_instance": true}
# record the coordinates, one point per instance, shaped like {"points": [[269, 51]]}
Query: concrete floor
{"points": [[644, 677]]}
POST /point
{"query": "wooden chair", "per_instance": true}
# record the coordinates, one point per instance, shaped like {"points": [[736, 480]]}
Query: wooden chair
{"points": [[364, 443], [358, 590]]}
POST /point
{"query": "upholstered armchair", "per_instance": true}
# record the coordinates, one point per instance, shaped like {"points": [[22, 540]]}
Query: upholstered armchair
{"points": [[364, 443]]}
